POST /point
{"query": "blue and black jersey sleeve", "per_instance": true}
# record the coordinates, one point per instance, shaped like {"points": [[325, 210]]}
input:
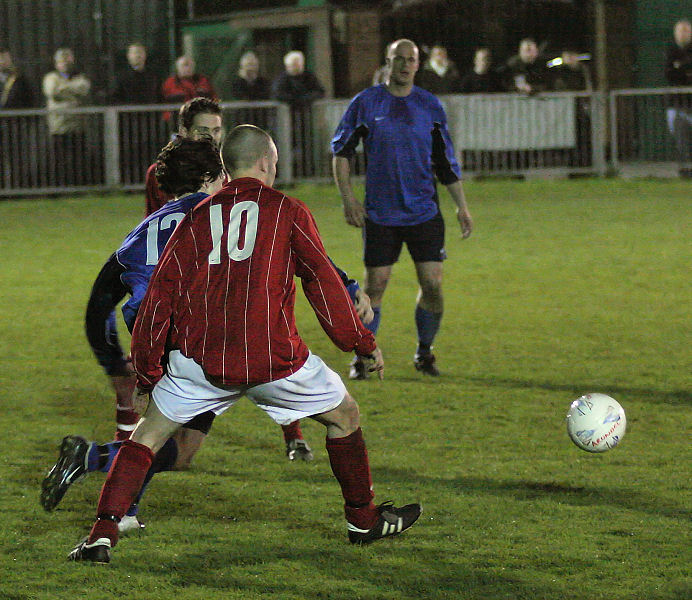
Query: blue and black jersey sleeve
{"points": [[444, 163], [350, 131]]}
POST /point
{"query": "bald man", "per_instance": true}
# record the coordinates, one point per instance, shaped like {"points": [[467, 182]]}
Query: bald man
{"points": [[233, 334], [407, 145]]}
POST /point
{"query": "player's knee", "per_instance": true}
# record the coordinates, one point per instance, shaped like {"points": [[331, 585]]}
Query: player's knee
{"points": [[349, 414]]}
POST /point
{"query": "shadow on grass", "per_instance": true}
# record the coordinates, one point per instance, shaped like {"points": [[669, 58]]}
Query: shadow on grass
{"points": [[531, 490], [651, 395]]}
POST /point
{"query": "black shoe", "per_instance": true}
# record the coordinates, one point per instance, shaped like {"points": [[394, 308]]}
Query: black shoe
{"points": [[98, 552], [392, 521], [299, 450], [71, 467], [359, 370], [425, 363]]}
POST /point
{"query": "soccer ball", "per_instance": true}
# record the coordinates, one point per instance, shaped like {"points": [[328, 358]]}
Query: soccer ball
{"points": [[596, 422]]}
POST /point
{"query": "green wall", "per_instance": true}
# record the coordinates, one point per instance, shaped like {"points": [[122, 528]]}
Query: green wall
{"points": [[652, 36]]}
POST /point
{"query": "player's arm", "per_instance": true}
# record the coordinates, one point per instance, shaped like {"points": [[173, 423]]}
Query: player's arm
{"points": [[359, 298], [448, 172], [325, 290], [354, 211], [344, 143]]}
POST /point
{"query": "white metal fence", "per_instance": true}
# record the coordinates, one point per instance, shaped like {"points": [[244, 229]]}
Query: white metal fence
{"points": [[497, 134]]}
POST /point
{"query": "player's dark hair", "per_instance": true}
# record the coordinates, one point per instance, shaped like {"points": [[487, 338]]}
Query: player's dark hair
{"points": [[197, 106], [184, 165], [244, 146]]}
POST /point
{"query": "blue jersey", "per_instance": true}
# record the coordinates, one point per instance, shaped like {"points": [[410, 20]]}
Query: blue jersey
{"points": [[140, 251], [406, 144]]}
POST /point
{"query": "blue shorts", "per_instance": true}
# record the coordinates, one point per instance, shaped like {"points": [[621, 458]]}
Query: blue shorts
{"points": [[425, 242]]}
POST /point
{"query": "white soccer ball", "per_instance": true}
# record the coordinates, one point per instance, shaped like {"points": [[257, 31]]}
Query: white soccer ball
{"points": [[596, 422]]}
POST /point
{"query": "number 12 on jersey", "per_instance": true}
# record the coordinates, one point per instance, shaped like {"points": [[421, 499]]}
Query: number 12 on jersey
{"points": [[244, 213]]}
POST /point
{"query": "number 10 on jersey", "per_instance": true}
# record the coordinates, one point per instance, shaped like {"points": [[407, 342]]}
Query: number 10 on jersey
{"points": [[243, 219]]}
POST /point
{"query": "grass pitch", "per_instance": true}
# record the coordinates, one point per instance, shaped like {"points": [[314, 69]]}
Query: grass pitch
{"points": [[565, 287]]}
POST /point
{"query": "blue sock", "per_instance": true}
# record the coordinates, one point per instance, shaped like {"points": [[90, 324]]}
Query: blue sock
{"points": [[374, 325], [427, 324], [163, 461], [101, 457]]}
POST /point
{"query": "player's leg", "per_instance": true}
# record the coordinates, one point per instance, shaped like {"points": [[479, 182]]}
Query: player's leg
{"points": [[329, 403], [182, 394], [107, 291], [425, 243]]}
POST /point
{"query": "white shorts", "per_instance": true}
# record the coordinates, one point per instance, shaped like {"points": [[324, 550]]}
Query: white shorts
{"points": [[184, 392]]}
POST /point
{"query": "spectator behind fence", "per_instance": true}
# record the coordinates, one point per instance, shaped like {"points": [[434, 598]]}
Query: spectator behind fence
{"points": [[15, 90], [439, 75], [678, 71], [571, 74], [295, 85], [248, 84], [526, 72], [481, 79], [137, 84], [65, 88], [186, 84]]}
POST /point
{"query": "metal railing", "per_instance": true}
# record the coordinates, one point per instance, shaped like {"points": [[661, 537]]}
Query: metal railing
{"points": [[494, 134]]}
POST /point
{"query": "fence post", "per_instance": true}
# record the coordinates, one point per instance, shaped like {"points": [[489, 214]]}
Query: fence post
{"points": [[598, 132], [614, 149], [284, 142], [111, 148]]}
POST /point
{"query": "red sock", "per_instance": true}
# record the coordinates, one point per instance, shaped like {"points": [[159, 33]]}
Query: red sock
{"points": [[349, 459], [125, 421], [122, 484], [292, 431]]}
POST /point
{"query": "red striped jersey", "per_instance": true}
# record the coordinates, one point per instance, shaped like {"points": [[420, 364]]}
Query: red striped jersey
{"points": [[223, 292]]}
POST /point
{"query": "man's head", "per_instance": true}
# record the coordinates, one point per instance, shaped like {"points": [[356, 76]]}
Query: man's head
{"points": [[64, 60], [137, 55], [294, 62], [438, 56], [249, 66], [5, 60], [403, 62], [250, 152], [185, 166], [199, 118], [184, 67], [528, 51], [683, 33], [482, 61]]}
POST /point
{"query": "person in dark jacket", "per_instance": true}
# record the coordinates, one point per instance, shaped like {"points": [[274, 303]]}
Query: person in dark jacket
{"points": [[15, 91], [439, 75], [295, 85], [678, 72], [137, 85], [248, 84], [481, 79]]}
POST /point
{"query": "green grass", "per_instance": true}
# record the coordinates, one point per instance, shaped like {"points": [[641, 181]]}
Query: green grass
{"points": [[565, 287]]}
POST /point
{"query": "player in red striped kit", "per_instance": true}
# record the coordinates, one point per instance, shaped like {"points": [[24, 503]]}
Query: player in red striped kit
{"points": [[220, 308], [199, 118]]}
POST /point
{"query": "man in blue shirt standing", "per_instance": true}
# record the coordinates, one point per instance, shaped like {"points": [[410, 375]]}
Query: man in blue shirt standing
{"points": [[407, 145]]}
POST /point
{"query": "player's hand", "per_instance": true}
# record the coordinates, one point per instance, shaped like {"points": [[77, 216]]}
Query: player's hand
{"points": [[363, 307], [465, 222], [140, 401], [354, 212], [374, 362]]}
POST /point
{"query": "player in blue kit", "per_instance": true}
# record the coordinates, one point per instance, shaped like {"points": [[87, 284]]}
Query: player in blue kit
{"points": [[407, 145], [190, 170]]}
